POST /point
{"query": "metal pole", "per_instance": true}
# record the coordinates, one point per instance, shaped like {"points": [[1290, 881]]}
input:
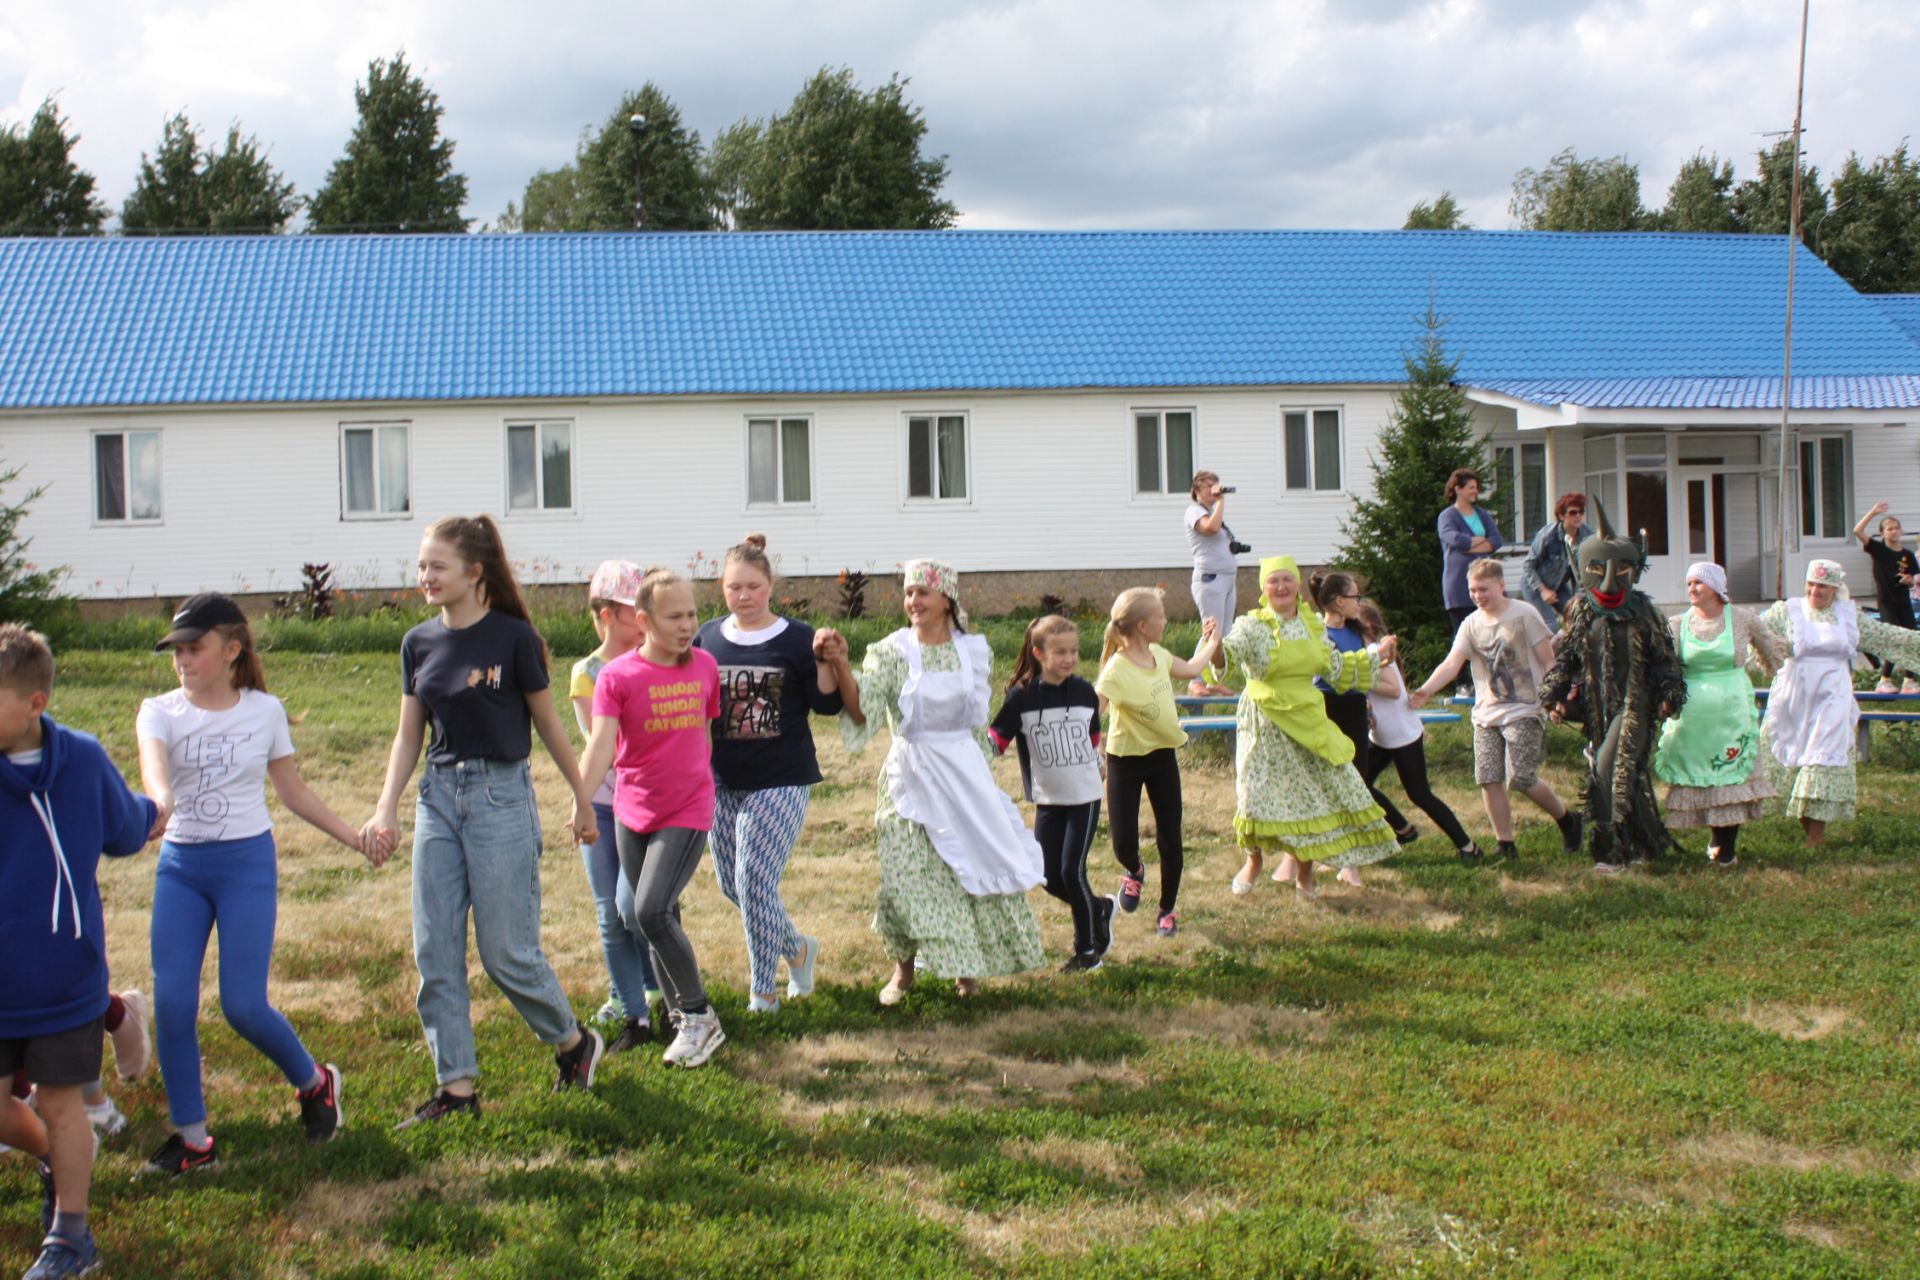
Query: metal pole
{"points": [[1786, 367], [638, 125]]}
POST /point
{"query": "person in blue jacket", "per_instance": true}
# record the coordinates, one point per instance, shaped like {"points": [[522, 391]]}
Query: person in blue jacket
{"points": [[1549, 584], [63, 805], [1468, 532]]}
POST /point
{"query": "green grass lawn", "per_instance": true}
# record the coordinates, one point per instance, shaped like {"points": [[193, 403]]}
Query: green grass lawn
{"points": [[1458, 1071]]}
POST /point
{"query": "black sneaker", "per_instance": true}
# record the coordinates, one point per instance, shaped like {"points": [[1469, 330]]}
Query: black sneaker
{"points": [[1111, 906], [1722, 857], [633, 1034], [1407, 834], [1473, 854], [440, 1106], [176, 1157], [320, 1108], [1572, 831], [1129, 895], [1085, 962], [578, 1064], [1506, 849]]}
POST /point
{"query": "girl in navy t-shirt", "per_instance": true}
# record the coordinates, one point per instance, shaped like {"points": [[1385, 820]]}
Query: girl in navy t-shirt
{"points": [[1053, 716]]}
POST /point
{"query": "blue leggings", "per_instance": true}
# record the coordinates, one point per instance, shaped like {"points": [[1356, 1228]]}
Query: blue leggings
{"points": [[232, 885]]}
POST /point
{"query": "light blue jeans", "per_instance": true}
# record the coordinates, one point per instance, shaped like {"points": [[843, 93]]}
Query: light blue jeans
{"points": [[629, 965], [476, 848]]}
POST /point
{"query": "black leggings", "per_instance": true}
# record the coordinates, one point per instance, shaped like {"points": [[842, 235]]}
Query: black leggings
{"points": [[1159, 772], [1065, 833], [1410, 762]]}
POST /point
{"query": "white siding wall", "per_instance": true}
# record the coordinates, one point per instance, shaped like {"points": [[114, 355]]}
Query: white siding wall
{"points": [[250, 495]]}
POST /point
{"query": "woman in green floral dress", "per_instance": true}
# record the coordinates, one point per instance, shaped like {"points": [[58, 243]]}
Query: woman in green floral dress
{"points": [[956, 859], [1299, 794]]}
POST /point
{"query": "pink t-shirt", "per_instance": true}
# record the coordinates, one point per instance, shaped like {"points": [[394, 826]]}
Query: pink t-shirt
{"points": [[662, 773]]}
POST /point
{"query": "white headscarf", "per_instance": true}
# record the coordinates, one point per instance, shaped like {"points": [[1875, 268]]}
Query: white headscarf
{"points": [[1712, 575], [1829, 573]]}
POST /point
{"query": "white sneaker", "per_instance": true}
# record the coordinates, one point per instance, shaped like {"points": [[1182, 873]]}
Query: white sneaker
{"points": [[611, 1011], [106, 1119], [700, 1034], [800, 972], [762, 1004], [1886, 686]]}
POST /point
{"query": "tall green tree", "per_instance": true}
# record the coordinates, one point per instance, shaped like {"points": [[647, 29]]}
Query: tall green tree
{"points": [[1761, 204], [186, 186], [397, 173], [838, 159], [1576, 194], [1871, 234], [42, 191], [595, 192], [1390, 539], [1701, 197], [1444, 214]]}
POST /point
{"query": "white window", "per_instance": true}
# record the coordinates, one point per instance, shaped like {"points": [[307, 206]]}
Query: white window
{"points": [[779, 461], [1314, 446], [1824, 507], [1162, 450], [539, 466], [126, 476], [937, 457], [1520, 496], [375, 470]]}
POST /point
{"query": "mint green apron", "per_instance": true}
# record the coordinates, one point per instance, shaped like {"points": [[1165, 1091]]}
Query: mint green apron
{"points": [[1715, 740]]}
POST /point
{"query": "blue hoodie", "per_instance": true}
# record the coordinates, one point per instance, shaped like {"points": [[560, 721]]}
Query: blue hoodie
{"points": [[56, 819]]}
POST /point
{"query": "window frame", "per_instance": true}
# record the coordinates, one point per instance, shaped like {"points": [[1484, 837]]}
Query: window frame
{"points": [[539, 510], [126, 493], [781, 501], [907, 497], [375, 426], [1523, 524], [1808, 485], [1164, 493], [1311, 488]]}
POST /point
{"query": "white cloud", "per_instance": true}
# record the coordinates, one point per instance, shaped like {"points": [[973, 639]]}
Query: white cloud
{"points": [[1055, 113]]}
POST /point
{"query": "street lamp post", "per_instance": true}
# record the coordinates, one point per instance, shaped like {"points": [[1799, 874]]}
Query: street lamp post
{"points": [[638, 124]]}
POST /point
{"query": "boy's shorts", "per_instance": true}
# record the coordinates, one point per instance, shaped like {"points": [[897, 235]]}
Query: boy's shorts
{"points": [[65, 1057], [1509, 753]]}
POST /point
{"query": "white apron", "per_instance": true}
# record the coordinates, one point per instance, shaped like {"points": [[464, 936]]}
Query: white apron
{"points": [[1811, 713], [938, 778]]}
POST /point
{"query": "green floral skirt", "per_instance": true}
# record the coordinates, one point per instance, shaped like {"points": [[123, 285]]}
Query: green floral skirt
{"points": [[922, 911], [1292, 801]]}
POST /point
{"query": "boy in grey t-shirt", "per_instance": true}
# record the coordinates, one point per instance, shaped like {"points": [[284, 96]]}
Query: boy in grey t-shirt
{"points": [[1510, 648]]}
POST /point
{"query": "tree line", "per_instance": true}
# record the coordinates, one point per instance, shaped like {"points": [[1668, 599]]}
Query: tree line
{"points": [[1865, 224], [839, 158]]}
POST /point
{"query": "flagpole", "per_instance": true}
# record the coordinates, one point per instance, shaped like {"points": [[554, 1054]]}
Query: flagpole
{"points": [[1786, 367]]}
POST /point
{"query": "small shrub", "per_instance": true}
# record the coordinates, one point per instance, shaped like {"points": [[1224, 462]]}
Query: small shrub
{"points": [[853, 593], [315, 598]]}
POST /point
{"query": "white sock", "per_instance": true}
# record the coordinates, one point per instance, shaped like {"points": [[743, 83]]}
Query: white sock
{"points": [[194, 1135]]}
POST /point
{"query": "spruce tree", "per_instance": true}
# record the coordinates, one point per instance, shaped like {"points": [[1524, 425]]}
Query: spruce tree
{"points": [[1390, 537], [186, 186], [42, 191], [397, 173]]}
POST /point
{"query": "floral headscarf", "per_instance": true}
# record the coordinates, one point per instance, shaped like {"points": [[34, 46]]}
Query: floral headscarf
{"points": [[1829, 573], [935, 575]]}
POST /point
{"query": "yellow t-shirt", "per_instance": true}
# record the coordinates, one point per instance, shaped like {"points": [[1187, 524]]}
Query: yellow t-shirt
{"points": [[1144, 716]]}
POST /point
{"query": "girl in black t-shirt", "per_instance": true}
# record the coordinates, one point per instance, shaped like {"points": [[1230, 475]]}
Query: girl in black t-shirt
{"points": [[1054, 717], [477, 677], [1895, 570]]}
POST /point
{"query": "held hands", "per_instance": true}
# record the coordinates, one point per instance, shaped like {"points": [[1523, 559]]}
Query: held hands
{"points": [[1209, 631], [163, 808], [585, 827], [379, 837], [829, 647], [1388, 648]]}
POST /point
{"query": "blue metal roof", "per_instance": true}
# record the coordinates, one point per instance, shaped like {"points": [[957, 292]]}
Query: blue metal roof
{"points": [[1879, 391], [216, 320], [1903, 309]]}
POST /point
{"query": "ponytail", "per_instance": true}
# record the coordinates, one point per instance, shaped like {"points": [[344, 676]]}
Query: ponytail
{"points": [[1133, 606], [1041, 630], [246, 671], [1324, 586], [476, 540]]}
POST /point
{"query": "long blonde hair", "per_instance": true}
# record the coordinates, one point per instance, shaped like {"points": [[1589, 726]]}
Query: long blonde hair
{"points": [[1132, 607]]}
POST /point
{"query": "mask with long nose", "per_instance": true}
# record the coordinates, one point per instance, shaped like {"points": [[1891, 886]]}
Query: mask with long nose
{"points": [[1609, 564]]}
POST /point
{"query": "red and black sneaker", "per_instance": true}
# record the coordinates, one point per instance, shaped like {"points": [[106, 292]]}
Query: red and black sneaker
{"points": [[178, 1157], [320, 1108], [440, 1106]]}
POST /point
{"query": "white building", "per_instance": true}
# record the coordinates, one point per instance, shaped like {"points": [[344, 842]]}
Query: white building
{"points": [[210, 413]]}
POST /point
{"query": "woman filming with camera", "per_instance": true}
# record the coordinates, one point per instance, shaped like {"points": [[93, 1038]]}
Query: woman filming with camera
{"points": [[1214, 548]]}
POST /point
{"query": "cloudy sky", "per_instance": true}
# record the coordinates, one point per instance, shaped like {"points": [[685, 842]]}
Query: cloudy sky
{"points": [[1053, 113]]}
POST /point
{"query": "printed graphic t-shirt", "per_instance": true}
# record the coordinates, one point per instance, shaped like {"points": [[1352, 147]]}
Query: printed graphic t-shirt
{"points": [[1144, 715], [661, 768], [585, 672], [1506, 671], [1057, 730], [219, 762], [1888, 564], [473, 684], [769, 684]]}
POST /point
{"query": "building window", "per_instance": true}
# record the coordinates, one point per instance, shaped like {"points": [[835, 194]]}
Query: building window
{"points": [[779, 460], [937, 457], [375, 470], [1823, 487], [1314, 448], [126, 476], [539, 466], [1163, 450], [1520, 499]]}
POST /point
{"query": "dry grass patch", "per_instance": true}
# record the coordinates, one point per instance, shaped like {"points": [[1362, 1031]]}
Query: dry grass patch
{"points": [[1528, 890], [1754, 1151], [1797, 1022], [1088, 1156]]}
